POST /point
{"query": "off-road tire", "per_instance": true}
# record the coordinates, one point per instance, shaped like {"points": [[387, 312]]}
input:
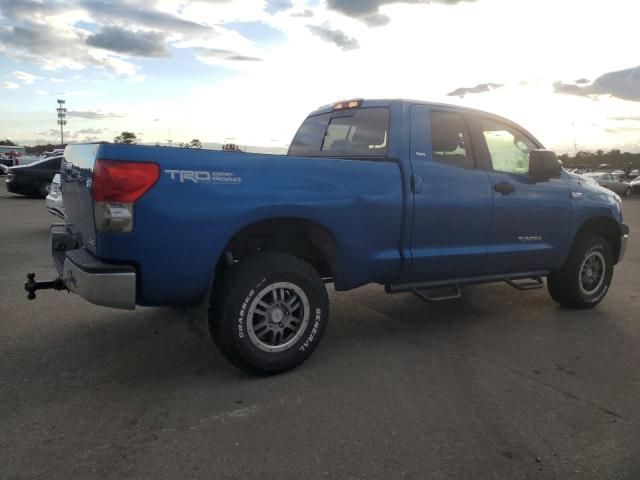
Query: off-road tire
{"points": [[565, 285], [236, 293]]}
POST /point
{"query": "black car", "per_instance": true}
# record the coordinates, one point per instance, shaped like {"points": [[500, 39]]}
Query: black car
{"points": [[34, 178]]}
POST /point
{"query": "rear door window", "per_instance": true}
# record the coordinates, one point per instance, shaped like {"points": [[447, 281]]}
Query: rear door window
{"points": [[361, 132], [450, 139]]}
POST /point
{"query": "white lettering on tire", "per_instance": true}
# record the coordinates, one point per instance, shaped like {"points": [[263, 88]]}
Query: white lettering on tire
{"points": [[243, 311], [314, 331]]}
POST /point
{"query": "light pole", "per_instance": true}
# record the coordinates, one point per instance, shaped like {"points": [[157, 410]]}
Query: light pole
{"points": [[62, 114]]}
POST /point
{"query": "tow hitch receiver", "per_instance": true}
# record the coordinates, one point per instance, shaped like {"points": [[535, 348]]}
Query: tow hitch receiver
{"points": [[31, 286]]}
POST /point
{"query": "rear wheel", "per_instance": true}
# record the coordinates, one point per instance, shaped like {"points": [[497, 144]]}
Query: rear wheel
{"points": [[584, 279], [268, 313]]}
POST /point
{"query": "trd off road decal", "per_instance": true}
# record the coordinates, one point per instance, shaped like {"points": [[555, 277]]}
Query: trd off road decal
{"points": [[203, 176]]}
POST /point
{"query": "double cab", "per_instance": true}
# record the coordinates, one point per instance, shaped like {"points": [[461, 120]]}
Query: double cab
{"points": [[418, 197]]}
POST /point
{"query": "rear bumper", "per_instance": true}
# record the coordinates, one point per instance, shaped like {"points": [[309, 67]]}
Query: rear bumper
{"points": [[97, 282]]}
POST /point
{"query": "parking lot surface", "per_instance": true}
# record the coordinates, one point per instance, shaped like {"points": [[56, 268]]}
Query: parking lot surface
{"points": [[500, 384]]}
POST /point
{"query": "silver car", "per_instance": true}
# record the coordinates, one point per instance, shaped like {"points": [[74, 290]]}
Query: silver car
{"points": [[607, 180], [54, 199]]}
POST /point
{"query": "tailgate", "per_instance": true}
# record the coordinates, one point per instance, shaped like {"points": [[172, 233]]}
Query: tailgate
{"points": [[77, 175]]}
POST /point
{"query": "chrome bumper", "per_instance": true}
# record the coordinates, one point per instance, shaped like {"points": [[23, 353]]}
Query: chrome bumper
{"points": [[97, 282]]}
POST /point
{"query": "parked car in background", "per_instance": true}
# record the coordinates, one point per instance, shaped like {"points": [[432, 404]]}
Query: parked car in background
{"points": [[588, 179], [56, 152], [634, 174], [635, 185], [54, 199], [608, 180], [33, 179]]}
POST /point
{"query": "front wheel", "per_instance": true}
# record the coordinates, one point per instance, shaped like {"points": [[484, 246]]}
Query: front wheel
{"points": [[584, 279], [268, 313]]}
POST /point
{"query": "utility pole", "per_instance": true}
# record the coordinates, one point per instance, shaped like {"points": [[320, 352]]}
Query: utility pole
{"points": [[62, 114]]}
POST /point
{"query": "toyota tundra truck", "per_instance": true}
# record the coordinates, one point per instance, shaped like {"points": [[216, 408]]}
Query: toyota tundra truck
{"points": [[417, 197]]}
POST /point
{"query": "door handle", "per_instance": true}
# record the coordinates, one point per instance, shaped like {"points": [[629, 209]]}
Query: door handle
{"points": [[504, 188], [416, 183]]}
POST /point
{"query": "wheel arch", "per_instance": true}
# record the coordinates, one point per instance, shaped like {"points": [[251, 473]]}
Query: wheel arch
{"points": [[606, 227], [302, 237]]}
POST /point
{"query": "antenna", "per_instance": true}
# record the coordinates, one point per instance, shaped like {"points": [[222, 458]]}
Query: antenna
{"points": [[62, 115]]}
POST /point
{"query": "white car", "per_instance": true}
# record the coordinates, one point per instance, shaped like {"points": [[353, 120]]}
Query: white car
{"points": [[54, 199]]}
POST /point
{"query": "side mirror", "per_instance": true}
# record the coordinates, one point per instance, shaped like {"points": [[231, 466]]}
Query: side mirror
{"points": [[544, 164]]}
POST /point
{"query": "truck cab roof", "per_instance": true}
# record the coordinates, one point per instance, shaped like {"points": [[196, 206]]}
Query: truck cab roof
{"points": [[406, 102]]}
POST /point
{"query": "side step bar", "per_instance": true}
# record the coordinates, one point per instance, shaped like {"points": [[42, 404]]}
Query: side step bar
{"points": [[427, 297], [534, 281], [527, 284]]}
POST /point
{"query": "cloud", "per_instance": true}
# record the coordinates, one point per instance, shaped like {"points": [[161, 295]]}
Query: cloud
{"points": [[304, 14], [92, 131], [120, 40], [221, 54], [10, 85], [623, 129], [147, 17], [582, 81], [275, 6], [335, 36], [480, 88], [368, 11], [632, 118], [89, 133], [19, 9], [48, 33], [54, 48], [42, 92], [24, 77], [52, 132], [623, 84], [91, 115]]}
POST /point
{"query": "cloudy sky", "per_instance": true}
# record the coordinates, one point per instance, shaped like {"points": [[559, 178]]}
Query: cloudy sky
{"points": [[249, 71]]}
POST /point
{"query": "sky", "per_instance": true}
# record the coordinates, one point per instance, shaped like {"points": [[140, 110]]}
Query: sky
{"points": [[249, 71]]}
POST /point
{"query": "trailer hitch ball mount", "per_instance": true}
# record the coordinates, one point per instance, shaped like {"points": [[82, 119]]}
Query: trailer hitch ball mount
{"points": [[32, 286]]}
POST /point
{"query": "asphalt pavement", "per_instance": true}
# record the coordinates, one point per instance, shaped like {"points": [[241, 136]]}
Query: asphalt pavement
{"points": [[500, 384]]}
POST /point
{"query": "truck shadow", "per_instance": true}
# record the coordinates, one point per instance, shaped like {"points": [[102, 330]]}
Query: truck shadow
{"points": [[152, 348]]}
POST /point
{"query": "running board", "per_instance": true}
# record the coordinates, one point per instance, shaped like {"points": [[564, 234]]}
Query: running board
{"points": [[457, 293], [526, 284], [457, 282]]}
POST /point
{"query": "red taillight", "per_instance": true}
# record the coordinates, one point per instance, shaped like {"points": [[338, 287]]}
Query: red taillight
{"points": [[126, 182]]}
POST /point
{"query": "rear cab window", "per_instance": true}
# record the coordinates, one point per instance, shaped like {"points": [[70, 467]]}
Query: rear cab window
{"points": [[361, 132]]}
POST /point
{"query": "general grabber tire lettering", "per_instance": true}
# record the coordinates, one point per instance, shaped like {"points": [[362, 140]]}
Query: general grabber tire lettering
{"points": [[584, 279], [268, 312]]}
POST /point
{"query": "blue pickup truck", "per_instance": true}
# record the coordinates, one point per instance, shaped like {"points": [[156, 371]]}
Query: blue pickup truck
{"points": [[418, 197]]}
